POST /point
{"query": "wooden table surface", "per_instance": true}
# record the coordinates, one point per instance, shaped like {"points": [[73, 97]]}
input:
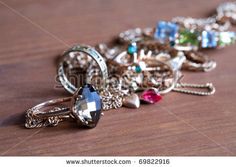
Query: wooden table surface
{"points": [[34, 33]]}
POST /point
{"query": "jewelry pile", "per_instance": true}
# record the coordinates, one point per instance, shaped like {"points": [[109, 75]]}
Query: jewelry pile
{"points": [[140, 66]]}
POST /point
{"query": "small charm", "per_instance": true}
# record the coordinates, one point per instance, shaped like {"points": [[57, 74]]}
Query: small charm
{"points": [[131, 101], [132, 48], [111, 98], [150, 96]]}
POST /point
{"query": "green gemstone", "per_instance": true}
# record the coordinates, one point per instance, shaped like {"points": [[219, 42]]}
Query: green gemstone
{"points": [[138, 69], [132, 48], [187, 37]]}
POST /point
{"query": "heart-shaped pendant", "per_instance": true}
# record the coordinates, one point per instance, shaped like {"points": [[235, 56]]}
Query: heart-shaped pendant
{"points": [[131, 101]]}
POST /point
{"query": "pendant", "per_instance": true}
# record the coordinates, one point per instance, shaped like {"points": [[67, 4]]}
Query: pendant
{"points": [[150, 96], [131, 101]]}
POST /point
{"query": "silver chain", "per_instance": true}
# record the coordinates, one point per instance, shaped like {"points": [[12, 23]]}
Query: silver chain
{"points": [[180, 87]]}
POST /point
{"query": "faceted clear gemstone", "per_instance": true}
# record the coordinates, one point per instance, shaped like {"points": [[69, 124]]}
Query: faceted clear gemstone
{"points": [[87, 108], [209, 39], [226, 38], [166, 31], [132, 48], [150, 96], [187, 37]]}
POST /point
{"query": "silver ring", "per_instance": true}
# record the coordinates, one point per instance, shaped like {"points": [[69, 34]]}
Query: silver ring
{"points": [[90, 52]]}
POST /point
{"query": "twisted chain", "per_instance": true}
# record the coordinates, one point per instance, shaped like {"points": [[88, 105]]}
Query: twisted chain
{"points": [[179, 87], [111, 98], [34, 121]]}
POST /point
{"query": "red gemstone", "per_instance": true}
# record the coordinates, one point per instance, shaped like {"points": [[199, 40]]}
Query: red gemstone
{"points": [[150, 96]]}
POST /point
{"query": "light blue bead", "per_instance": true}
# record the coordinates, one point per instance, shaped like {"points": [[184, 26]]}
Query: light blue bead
{"points": [[209, 39], [166, 31]]}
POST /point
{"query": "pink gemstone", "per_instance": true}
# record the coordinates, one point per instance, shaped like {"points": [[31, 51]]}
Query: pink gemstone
{"points": [[150, 96]]}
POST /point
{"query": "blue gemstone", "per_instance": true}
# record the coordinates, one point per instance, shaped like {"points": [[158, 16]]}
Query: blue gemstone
{"points": [[88, 107], [166, 31], [209, 39], [132, 48]]}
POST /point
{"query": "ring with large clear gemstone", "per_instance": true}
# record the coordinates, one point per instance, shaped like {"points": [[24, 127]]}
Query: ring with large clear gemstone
{"points": [[86, 106]]}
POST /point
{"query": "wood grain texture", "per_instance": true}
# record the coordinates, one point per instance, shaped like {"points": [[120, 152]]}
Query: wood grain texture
{"points": [[34, 33]]}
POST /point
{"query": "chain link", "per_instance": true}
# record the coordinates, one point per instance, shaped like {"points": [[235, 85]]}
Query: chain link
{"points": [[180, 87], [111, 98], [34, 121]]}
